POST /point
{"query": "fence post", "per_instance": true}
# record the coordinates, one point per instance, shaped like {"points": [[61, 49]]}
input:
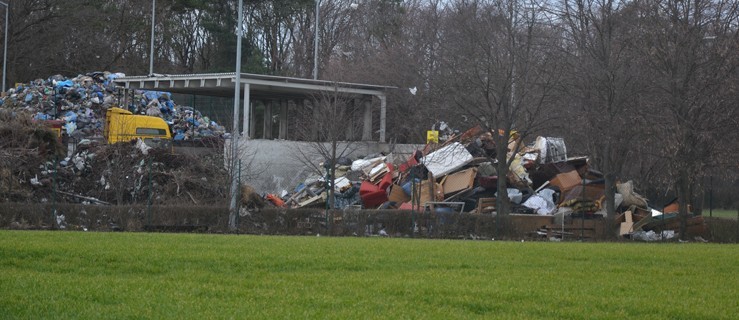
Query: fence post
{"points": [[53, 191], [148, 201], [238, 199]]}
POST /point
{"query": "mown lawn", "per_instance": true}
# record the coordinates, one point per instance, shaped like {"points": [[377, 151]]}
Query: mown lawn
{"points": [[721, 213], [76, 275]]}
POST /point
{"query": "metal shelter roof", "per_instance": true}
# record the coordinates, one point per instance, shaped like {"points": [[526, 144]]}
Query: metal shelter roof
{"points": [[261, 86], [256, 87]]}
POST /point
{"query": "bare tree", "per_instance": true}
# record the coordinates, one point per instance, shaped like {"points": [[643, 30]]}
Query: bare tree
{"points": [[395, 43], [499, 59], [690, 51], [603, 82], [329, 125]]}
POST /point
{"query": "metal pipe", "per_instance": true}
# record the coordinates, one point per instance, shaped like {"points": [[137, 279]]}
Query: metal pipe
{"points": [[151, 53], [5, 47], [233, 207], [315, 43]]}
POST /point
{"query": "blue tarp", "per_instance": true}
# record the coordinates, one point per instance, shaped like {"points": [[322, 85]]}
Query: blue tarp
{"points": [[151, 95], [65, 83]]}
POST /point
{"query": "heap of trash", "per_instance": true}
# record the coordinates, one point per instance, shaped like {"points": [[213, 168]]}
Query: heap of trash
{"points": [[459, 175], [35, 168], [77, 165], [80, 103]]}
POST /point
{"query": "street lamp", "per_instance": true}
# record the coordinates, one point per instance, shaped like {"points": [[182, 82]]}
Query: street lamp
{"points": [[151, 53], [235, 175], [5, 47], [353, 6], [315, 43]]}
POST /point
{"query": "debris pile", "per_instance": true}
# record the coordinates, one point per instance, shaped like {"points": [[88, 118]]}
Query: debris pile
{"points": [[80, 104], [121, 173], [459, 175], [74, 164]]}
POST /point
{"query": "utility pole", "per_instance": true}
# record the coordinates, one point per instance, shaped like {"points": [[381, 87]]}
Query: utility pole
{"points": [[5, 47], [315, 42], [233, 208], [151, 52]]}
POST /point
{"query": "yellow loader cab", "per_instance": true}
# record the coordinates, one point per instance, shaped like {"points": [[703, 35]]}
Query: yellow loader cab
{"points": [[123, 126]]}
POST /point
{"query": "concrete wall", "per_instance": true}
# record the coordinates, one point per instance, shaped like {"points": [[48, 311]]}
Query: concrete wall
{"points": [[271, 166]]}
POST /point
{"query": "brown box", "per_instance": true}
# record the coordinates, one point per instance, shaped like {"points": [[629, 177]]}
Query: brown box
{"points": [[398, 195], [567, 180], [591, 192], [459, 181], [430, 192]]}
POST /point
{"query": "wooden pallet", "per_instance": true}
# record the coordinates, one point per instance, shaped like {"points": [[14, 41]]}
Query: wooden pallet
{"points": [[485, 205]]}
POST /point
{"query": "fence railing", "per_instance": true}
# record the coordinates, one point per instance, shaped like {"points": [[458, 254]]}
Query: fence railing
{"points": [[274, 221]]}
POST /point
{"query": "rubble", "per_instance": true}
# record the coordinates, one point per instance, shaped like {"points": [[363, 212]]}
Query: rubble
{"points": [[458, 175], [80, 102], [34, 167]]}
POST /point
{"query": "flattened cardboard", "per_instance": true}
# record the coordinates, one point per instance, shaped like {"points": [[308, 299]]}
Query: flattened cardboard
{"points": [[398, 195], [430, 192], [566, 180], [459, 181], [592, 192]]}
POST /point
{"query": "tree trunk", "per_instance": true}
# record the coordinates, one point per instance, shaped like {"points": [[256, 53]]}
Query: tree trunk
{"points": [[683, 186], [332, 176], [610, 181], [502, 203]]}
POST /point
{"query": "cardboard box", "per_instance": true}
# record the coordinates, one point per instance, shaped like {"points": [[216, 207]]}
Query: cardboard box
{"points": [[398, 195], [566, 180], [591, 192], [429, 192]]}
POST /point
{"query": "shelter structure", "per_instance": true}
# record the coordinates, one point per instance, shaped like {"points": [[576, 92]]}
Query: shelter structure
{"points": [[275, 92]]}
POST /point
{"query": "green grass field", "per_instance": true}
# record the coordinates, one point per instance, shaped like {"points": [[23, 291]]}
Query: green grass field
{"points": [[76, 275], [721, 213]]}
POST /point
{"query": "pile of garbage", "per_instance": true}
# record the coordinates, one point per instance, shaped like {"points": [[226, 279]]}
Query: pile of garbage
{"points": [[80, 104], [76, 164], [34, 168], [459, 175]]}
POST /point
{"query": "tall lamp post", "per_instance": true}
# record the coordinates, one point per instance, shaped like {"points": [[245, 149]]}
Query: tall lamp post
{"points": [[5, 47], [151, 52], [315, 43], [235, 175]]}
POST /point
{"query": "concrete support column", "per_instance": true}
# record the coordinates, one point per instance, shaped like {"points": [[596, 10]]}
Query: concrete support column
{"points": [[247, 112], [283, 119], [314, 124], [268, 119], [367, 127], [383, 116], [253, 121], [351, 106]]}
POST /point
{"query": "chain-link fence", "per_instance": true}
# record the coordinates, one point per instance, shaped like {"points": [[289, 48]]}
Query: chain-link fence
{"points": [[360, 223]]}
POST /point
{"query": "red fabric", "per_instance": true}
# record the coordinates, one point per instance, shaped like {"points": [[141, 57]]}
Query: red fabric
{"points": [[372, 195], [387, 179], [408, 164], [275, 200]]}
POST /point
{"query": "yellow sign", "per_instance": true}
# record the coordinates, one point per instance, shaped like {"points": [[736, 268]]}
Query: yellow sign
{"points": [[432, 136]]}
